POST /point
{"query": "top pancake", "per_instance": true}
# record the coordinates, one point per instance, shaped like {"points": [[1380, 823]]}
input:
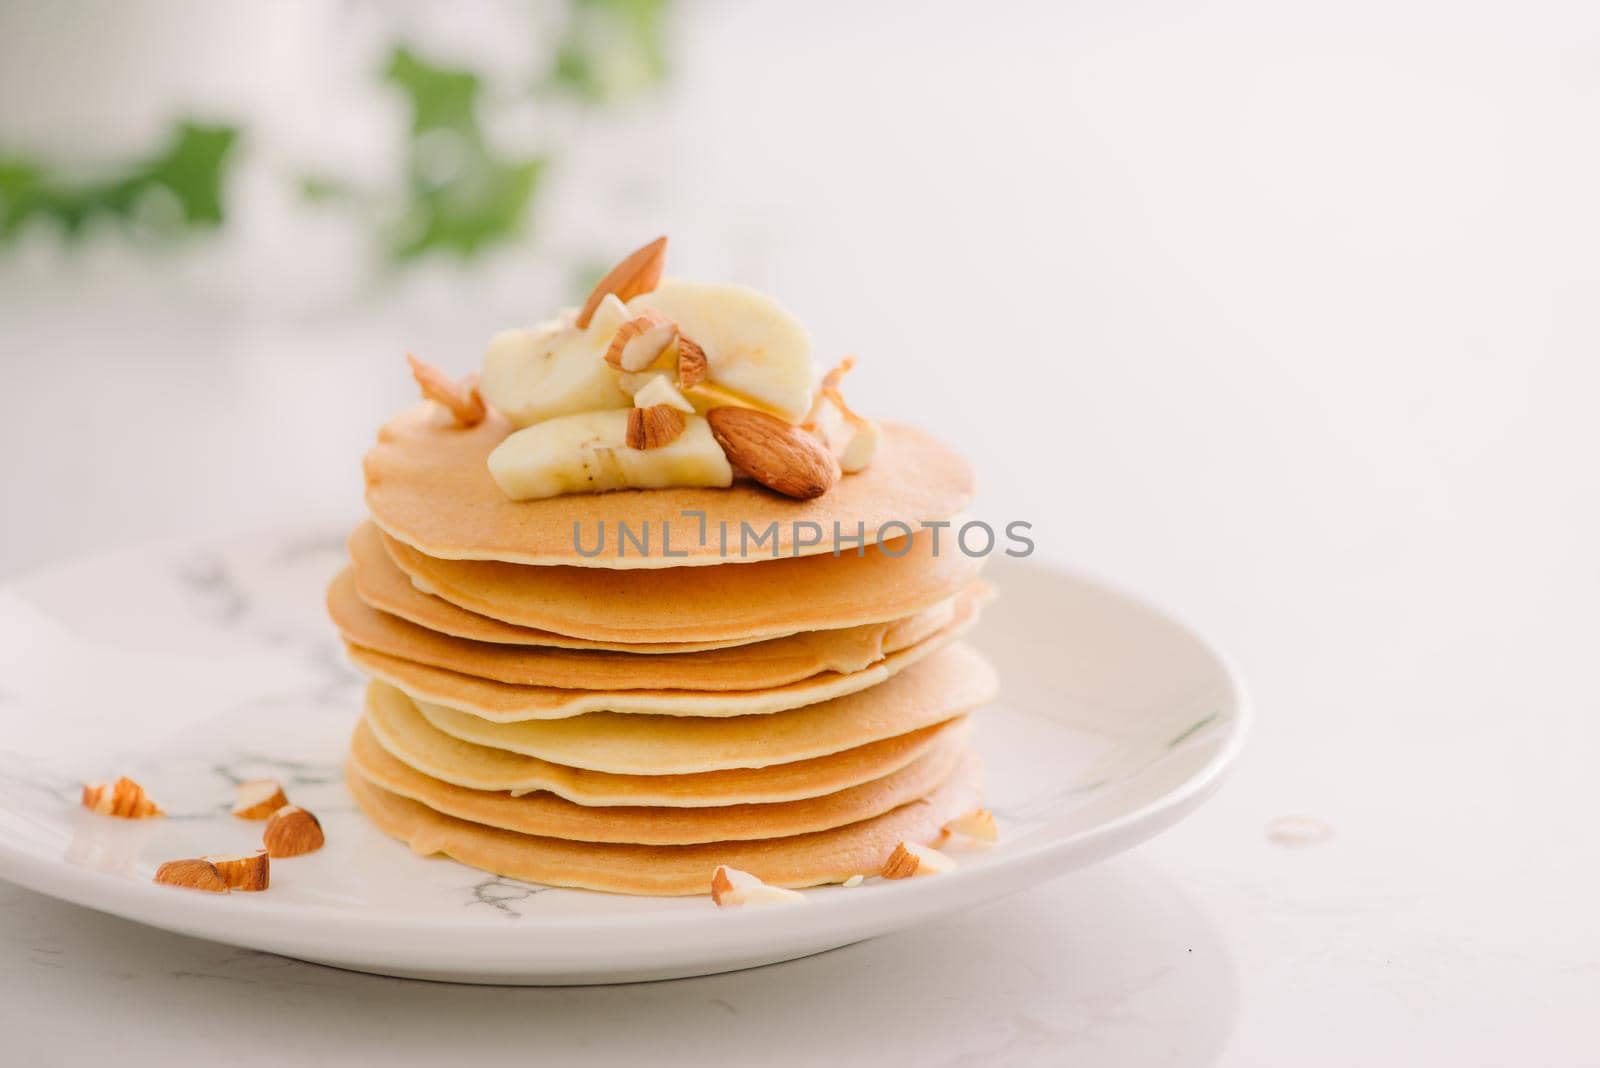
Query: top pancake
{"points": [[428, 485]]}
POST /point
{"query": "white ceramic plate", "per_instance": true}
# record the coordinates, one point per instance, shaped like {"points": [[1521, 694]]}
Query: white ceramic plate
{"points": [[189, 667]]}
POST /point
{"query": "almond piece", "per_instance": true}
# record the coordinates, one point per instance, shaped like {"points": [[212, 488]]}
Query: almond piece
{"points": [[124, 799], [258, 799], [192, 874], [730, 886], [655, 426], [691, 363], [461, 399], [978, 824], [774, 453], [640, 341], [292, 831], [910, 859], [638, 273], [243, 871]]}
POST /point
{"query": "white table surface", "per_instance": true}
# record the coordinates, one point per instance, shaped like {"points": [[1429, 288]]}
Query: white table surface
{"points": [[1291, 327]]}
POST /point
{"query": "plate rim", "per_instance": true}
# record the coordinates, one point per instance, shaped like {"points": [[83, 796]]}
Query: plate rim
{"points": [[335, 926]]}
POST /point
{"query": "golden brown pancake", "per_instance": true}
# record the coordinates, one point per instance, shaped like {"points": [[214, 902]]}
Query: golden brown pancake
{"points": [[385, 587], [948, 683], [556, 817], [428, 485], [402, 730], [745, 667], [800, 860], [743, 601], [505, 703]]}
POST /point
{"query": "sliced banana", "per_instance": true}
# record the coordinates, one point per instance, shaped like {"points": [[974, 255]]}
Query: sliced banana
{"points": [[588, 453], [554, 369], [754, 349]]}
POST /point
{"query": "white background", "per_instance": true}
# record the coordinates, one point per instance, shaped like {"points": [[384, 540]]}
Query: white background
{"points": [[1283, 314]]}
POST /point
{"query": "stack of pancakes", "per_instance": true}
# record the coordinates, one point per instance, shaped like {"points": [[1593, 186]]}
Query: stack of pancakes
{"points": [[628, 723]]}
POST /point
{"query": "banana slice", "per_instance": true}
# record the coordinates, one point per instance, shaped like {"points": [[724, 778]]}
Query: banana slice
{"points": [[754, 348], [555, 369], [588, 453]]}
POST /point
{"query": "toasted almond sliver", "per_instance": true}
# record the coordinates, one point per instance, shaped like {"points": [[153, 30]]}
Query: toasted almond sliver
{"points": [[291, 832], [258, 799], [192, 874], [462, 399], [638, 273]]}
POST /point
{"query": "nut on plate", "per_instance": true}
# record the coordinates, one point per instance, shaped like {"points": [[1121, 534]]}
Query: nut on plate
{"points": [[123, 798], [243, 871], [292, 831], [910, 859], [194, 873], [978, 825], [258, 799], [730, 886]]}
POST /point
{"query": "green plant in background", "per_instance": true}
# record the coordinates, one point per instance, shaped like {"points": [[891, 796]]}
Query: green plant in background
{"points": [[177, 189], [460, 193], [457, 193], [611, 49]]}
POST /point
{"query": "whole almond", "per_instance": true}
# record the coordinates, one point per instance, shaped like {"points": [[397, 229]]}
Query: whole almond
{"points": [[655, 426], [292, 831], [776, 454], [638, 273]]}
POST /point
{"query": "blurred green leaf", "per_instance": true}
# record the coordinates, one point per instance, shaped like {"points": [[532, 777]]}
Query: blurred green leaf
{"points": [[611, 49], [179, 188], [461, 195]]}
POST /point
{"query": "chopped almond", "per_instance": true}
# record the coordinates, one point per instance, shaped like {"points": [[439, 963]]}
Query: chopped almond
{"points": [[978, 824], [730, 886], [258, 799], [910, 859], [124, 799], [192, 874], [243, 871], [292, 831]]}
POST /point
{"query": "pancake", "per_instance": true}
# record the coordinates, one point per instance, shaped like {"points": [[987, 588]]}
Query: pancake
{"points": [[428, 484], [402, 730], [555, 817], [385, 587], [745, 601], [505, 703], [800, 860], [745, 667], [948, 683]]}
